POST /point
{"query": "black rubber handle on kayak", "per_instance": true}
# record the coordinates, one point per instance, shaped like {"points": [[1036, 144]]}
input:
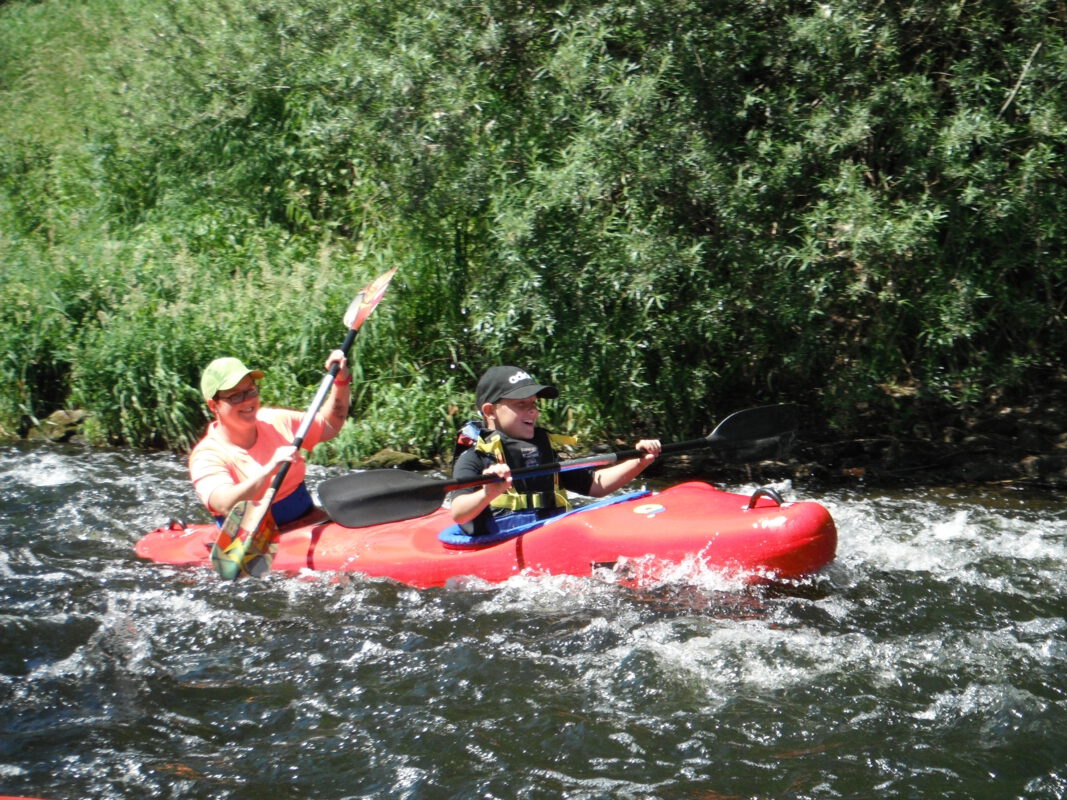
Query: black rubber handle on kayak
{"points": [[378, 496]]}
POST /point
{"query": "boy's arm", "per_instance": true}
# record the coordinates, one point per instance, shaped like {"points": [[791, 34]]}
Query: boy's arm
{"points": [[608, 479], [466, 507]]}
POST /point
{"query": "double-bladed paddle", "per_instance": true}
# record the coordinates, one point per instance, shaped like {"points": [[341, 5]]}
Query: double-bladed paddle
{"points": [[388, 495], [248, 538]]}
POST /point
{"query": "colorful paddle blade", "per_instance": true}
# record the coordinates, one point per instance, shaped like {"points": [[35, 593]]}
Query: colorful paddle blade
{"points": [[261, 548], [364, 302], [229, 548], [246, 543]]}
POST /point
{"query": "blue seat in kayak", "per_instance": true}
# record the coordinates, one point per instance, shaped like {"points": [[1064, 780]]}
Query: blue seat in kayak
{"points": [[455, 536]]}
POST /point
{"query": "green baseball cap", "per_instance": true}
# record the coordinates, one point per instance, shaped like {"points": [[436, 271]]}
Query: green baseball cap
{"points": [[224, 373]]}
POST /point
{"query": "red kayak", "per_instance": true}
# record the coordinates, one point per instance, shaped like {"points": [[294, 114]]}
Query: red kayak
{"points": [[758, 537]]}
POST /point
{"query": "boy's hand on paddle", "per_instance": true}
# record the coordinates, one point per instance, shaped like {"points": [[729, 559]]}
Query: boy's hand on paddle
{"points": [[651, 449], [497, 488]]}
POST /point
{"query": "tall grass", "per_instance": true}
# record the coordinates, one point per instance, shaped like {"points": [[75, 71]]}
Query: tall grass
{"points": [[670, 209]]}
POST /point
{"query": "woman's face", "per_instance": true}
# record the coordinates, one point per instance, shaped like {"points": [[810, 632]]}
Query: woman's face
{"points": [[237, 407]]}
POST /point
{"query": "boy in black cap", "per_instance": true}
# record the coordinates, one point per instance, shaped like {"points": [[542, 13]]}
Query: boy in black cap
{"points": [[507, 400]]}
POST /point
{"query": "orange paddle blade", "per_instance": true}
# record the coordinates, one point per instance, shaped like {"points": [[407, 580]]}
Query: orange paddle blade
{"points": [[367, 299]]}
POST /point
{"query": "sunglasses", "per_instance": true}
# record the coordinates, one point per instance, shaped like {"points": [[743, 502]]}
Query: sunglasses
{"points": [[239, 397]]}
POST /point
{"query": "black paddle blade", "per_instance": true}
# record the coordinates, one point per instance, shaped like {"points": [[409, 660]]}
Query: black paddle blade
{"points": [[755, 434], [380, 495]]}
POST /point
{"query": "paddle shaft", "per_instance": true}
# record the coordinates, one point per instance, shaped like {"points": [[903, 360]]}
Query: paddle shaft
{"points": [[387, 495], [753, 424], [309, 416], [588, 462], [356, 314]]}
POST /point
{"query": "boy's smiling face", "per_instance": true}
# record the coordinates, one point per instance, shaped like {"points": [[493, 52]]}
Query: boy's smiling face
{"points": [[516, 418]]}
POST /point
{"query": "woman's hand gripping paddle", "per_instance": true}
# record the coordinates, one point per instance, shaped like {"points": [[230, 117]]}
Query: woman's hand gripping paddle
{"points": [[388, 495], [248, 538]]}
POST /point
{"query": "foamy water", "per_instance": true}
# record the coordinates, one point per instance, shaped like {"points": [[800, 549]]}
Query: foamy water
{"points": [[927, 661]]}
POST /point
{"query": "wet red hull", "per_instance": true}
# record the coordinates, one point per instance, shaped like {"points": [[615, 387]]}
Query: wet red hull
{"points": [[691, 522]]}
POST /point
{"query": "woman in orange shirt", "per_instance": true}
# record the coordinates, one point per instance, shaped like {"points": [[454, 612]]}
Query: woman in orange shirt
{"points": [[246, 444]]}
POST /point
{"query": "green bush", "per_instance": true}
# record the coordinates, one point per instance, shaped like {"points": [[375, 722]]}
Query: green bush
{"points": [[672, 209]]}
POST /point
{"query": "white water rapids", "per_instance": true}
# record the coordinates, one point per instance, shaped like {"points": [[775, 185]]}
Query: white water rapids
{"points": [[930, 660]]}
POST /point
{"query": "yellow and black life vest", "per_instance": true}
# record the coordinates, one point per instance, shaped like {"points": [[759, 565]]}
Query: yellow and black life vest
{"points": [[543, 492]]}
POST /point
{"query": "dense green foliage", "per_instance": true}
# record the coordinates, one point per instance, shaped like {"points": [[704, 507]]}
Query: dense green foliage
{"points": [[671, 208]]}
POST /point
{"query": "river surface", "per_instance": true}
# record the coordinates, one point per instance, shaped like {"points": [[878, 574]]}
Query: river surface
{"points": [[928, 661]]}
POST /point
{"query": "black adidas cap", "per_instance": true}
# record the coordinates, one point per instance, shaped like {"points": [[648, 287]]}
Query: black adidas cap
{"points": [[499, 383]]}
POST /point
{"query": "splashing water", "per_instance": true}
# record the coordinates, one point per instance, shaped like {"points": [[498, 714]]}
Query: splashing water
{"points": [[927, 661]]}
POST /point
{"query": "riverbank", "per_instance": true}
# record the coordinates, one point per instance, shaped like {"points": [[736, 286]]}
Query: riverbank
{"points": [[1022, 441]]}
